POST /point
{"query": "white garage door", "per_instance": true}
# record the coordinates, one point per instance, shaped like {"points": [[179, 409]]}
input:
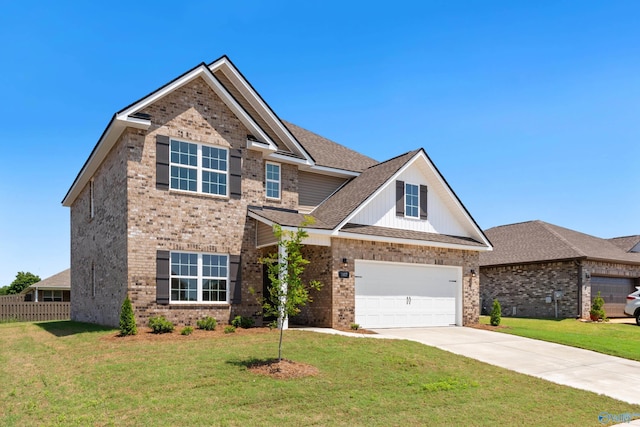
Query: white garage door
{"points": [[390, 295]]}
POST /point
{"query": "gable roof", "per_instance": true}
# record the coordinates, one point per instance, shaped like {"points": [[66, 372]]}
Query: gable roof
{"points": [[269, 133], [60, 280], [536, 241], [334, 213], [337, 207], [627, 243]]}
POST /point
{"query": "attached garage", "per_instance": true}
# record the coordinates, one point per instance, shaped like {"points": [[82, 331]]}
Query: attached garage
{"points": [[390, 295], [614, 291]]}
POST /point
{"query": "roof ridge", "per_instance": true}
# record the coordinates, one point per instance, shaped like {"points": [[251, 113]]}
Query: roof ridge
{"points": [[547, 226], [394, 158]]}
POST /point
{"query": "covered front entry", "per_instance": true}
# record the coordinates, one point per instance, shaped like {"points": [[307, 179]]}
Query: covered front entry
{"points": [[389, 294]]}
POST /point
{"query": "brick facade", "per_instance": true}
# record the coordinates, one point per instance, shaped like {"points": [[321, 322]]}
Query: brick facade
{"points": [[134, 220], [522, 290]]}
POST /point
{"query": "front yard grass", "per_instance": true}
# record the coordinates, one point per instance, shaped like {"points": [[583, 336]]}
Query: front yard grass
{"points": [[615, 339], [73, 374]]}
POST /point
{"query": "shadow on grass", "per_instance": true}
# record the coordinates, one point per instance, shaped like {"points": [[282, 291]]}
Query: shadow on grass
{"points": [[252, 362], [64, 328]]}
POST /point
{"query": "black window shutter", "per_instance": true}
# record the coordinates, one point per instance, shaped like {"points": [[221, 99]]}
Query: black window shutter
{"points": [[399, 198], [423, 202], [235, 279], [162, 162], [235, 173], [162, 277]]}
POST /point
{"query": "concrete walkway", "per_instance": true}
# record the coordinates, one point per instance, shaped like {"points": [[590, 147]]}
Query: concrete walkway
{"points": [[583, 369]]}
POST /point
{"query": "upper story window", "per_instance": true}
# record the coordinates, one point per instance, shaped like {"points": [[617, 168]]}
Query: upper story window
{"points": [[198, 168], [272, 180], [199, 278], [411, 197]]}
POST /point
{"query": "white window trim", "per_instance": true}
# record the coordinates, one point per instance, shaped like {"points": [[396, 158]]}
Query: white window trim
{"points": [[199, 278], [406, 184], [199, 169], [279, 181]]}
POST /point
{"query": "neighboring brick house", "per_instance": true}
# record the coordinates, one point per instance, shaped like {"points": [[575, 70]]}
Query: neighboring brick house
{"points": [[176, 203], [532, 260]]}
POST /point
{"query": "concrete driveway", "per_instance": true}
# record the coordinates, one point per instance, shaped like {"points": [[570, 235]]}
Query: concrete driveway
{"points": [[612, 376]]}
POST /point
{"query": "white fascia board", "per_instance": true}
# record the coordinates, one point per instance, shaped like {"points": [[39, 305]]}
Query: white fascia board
{"points": [[108, 139], [356, 236], [204, 72], [259, 105], [260, 146], [333, 171], [470, 222], [287, 159]]}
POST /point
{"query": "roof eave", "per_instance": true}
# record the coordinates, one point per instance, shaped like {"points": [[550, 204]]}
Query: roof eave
{"points": [[414, 242]]}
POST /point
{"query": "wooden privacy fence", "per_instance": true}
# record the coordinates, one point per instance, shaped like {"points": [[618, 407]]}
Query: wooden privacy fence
{"points": [[14, 308]]}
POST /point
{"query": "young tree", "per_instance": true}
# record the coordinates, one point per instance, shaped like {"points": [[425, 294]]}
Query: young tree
{"points": [[496, 313], [127, 319], [288, 292], [23, 280]]}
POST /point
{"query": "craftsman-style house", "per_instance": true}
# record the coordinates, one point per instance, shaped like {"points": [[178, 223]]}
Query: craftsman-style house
{"points": [[176, 203]]}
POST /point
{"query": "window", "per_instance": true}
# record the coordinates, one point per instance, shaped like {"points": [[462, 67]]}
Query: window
{"points": [[412, 206], [198, 168], [272, 180], [49, 296], [199, 277]]}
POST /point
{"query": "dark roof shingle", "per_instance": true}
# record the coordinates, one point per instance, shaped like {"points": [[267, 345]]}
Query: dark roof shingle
{"points": [[409, 234], [536, 241], [328, 153]]}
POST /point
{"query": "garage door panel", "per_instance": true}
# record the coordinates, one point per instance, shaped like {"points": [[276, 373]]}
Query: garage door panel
{"points": [[406, 295], [614, 291]]}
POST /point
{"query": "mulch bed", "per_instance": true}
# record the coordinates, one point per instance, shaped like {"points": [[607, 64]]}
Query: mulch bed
{"points": [[283, 370]]}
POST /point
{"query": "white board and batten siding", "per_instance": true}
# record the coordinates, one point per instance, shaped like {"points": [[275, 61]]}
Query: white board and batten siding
{"points": [[443, 216], [398, 295]]}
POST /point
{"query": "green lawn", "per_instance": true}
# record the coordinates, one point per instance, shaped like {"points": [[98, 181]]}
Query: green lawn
{"points": [[71, 374], [616, 339]]}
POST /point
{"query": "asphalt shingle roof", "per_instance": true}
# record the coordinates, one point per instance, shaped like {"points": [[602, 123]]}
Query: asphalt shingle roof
{"points": [[535, 241], [328, 153], [60, 280], [626, 243]]}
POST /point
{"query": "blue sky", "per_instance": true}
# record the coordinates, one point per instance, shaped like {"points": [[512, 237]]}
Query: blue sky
{"points": [[529, 109]]}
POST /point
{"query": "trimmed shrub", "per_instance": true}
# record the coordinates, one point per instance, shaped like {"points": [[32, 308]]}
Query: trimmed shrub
{"points": [[496, 313], [229, 329], [597, 309], [355, 326], [160, 325], [243, 322], [208, 323], [187, 330], [127, 319]]}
